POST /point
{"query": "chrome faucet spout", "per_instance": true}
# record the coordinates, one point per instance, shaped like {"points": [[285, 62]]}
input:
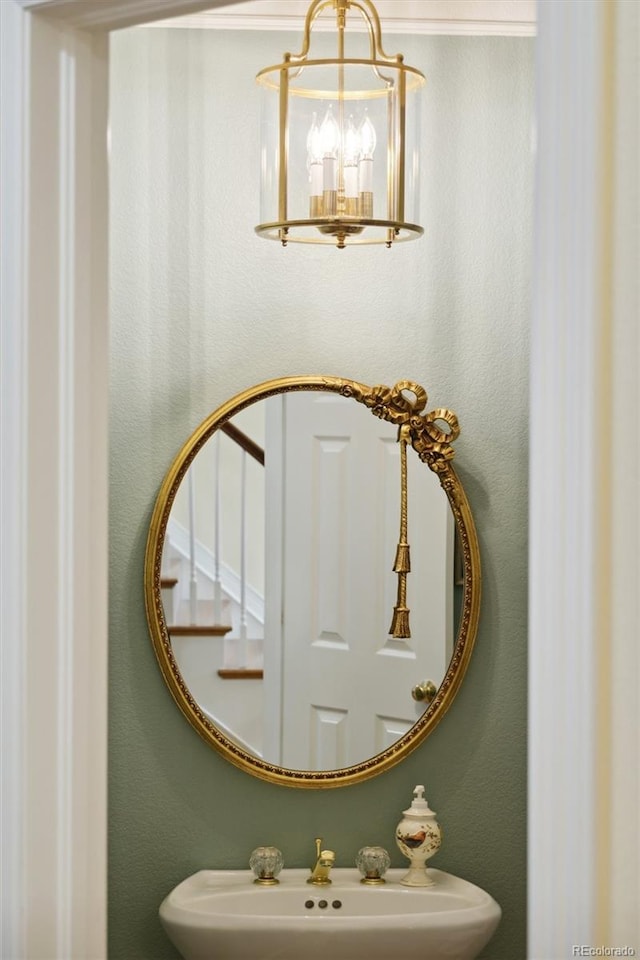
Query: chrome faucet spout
{"points": [[324, 861]]}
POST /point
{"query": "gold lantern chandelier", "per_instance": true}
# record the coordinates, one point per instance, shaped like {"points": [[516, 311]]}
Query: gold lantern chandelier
{"points": [[340, 140]]}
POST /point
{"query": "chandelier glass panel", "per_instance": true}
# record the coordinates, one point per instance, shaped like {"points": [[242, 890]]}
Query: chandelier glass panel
{"points": [[340, 139]]}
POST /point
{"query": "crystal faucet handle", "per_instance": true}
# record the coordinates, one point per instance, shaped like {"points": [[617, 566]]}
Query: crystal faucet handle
{"points": [[266, 863], [373, 863]]}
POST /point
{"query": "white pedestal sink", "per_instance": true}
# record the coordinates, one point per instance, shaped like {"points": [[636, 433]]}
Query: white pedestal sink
{"points": [[223, 915]]}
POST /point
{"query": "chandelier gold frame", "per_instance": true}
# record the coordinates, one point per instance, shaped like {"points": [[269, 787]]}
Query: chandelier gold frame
{"points": [[343, 218]]}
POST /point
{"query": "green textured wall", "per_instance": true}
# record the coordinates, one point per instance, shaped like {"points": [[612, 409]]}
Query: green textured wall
{"points": [[202, 309]]}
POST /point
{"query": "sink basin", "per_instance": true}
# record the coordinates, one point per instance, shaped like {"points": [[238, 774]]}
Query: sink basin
{"points": [[223, 915]]}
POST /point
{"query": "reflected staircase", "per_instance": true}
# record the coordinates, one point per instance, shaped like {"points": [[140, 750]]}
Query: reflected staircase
{"points": [[195, 616]]}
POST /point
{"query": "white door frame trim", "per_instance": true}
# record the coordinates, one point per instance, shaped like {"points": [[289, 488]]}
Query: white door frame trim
{"points": [[54, 496], [54, 493], [584, 738], [14, 472]]}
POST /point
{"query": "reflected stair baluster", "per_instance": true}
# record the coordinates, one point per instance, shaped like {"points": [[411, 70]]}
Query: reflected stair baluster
{"points": [[242, 645], [217, 586], [193, 577]]}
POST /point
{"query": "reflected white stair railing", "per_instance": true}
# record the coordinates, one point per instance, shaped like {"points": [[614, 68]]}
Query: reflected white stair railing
{"points": [[242, 645], [193, 577], [216, 593], [217, 586]]}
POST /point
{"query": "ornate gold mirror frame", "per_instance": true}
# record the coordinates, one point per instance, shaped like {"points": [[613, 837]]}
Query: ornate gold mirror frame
{"points": [[404, 406]]}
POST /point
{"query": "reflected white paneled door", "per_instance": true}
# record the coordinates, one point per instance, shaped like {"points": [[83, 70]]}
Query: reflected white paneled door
{"points": [[345, 683]]}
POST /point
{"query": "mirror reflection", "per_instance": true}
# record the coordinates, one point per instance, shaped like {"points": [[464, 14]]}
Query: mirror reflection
{"points": [[279, 588]]}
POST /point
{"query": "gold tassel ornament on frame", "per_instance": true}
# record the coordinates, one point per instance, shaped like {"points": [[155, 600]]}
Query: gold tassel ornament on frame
{"points": [[400, 621]]}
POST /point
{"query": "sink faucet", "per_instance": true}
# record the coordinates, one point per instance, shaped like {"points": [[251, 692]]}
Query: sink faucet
{"points": [[324, 861]]}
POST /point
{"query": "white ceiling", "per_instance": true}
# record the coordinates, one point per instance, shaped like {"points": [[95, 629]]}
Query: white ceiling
{"points": [[464, 17]]}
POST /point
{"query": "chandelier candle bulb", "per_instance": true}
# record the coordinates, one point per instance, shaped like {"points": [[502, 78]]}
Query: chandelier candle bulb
{"points": [[316, 171], [330, 137], [329, 183], [351, 180], [316, 178], [351, 157]]}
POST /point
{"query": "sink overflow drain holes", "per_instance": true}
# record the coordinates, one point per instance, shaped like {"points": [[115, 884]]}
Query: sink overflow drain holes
{"points": [[323, 904]]}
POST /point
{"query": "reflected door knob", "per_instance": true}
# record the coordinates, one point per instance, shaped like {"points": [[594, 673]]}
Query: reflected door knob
{"points": [[424, 691]]}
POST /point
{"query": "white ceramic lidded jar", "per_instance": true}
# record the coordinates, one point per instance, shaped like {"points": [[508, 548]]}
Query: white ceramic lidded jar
{"points": [[418, 836]]}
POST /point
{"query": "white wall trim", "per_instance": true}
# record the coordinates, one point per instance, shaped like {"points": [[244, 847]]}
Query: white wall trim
{"points": [[65, 562], [504, 18], [449, 17], [583, 546], [54, 491], [562, 659], [212, 20], [54, 500], [13, 293], [113, 14], [562, 520], [622, 891]]}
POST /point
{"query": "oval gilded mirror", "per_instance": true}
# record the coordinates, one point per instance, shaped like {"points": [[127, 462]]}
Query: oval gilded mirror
{"points": [[312, 578]]}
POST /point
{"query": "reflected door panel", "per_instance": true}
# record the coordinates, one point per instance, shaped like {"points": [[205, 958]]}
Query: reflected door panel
{"points": [[345, 684]]}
